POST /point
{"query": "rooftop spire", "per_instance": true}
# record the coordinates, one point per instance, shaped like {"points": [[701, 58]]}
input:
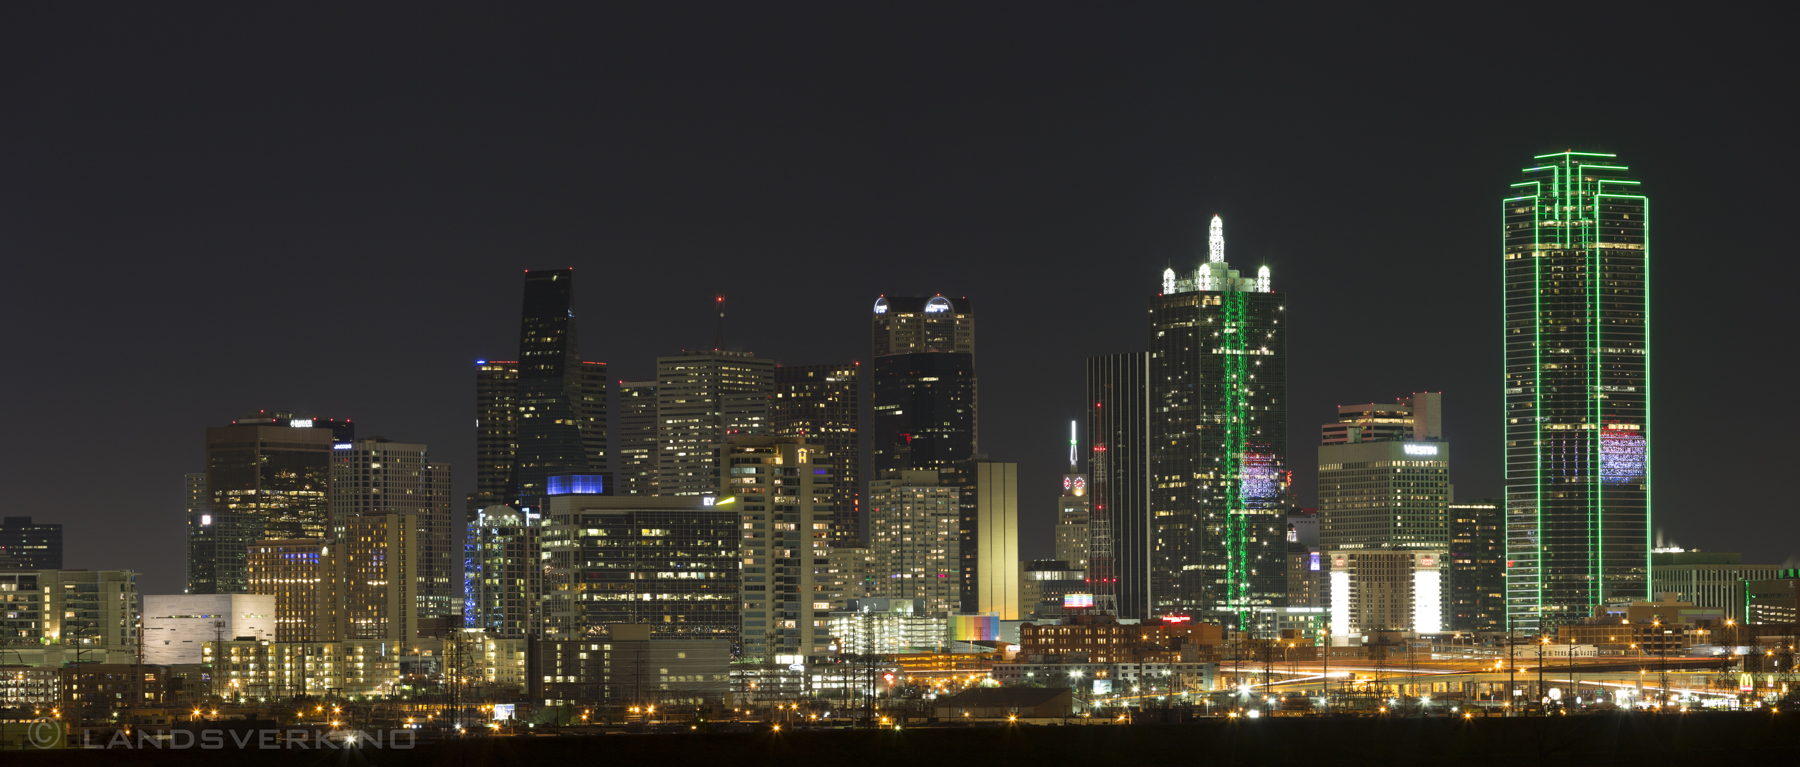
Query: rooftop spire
{"points": [[1215, 241]]}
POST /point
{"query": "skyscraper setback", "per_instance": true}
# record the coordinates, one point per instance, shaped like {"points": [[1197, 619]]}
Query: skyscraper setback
{"points": [[544, 413], [1218, 399], [1575, 249]]}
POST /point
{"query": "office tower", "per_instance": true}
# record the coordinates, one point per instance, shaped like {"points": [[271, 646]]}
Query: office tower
{"points": [[377, 565], [990, 540], [703, 399], [1708, 579], [267, 476], [823, 402], [778, 493], [177, 625], [1218, 385], [1384, 495], [92, 613], [849, 574], [298, 575], [925, 414], [496, 433], [1419, 418], [1072, 521], [504, 573], [28, 546], [375, 475], [915, 539], [1476, 567], [1118, 386], [561, 400], [1385, 590], [1577, 389], [637, 439], [671, 562]]}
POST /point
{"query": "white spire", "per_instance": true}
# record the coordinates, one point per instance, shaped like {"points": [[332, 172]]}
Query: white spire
{"points": [[1215, 241], [1262, 280], [1168, 281], [1205, 277], [1071, 446]]}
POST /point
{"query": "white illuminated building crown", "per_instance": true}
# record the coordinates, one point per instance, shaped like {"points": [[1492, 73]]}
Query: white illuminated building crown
{"points": [[1216, 274]]}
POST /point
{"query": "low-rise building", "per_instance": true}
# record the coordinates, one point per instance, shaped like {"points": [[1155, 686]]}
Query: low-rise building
{"points": [[1102, 639], [176, 626], [887, 626], [627, 665], [1011, 703]]}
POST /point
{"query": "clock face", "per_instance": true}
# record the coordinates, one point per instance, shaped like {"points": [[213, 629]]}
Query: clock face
{"points": [[1066, 484], [1080, 483]]}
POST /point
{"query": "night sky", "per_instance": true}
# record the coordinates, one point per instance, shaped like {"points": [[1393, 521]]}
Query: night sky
{"points": [[209, 210]]}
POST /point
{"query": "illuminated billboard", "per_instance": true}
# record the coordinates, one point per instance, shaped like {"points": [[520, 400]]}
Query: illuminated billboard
{"points": [[974, 628]]}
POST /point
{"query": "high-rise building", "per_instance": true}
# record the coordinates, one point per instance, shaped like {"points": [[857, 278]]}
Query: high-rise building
{"points": [[267, 476], [1305, 567], [915, 540], [925, 414], [990, 540], [375, 475], [28, 546], [504, 572], [1476, 567], [1577, 389], [562, 400], [1218, 397], [780, 496], [84, 610], [1072, 521], [702, 400], [822, 402], [637, 439], [496, 433], [671, 562], [299, 576], [1384, 495], [1119, 449], [377, 565]]}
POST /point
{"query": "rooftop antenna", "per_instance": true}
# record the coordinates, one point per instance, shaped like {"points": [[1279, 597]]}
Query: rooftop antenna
{"points": [[1071, 447], [719, 341]]}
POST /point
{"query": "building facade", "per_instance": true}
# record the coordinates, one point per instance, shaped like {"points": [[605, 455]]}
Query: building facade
{"points": [[1393, 495], [298, 575], [26, 545], [375, 476], [504, 574], [89, 613], [780, 496], [671, 562], [1575, 249], [1072, 510], [637, 439], [1708, 578], [1374, 590], [1118, 388], [178, 626], [1476, 566], [1218, 398], [703, 399], [915, 540], [990, 540], [267, 476], [377, 567], [822, 402]]}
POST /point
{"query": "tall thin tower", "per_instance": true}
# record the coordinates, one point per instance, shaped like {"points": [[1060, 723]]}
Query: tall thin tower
{"points": [[1218, 393], [1575, 246]]}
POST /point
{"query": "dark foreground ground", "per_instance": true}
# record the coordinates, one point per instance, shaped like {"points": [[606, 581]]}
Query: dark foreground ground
{"points": [[1623, 739]]}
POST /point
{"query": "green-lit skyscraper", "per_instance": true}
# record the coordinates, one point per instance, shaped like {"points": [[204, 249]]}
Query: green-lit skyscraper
{"points": [[1577, 389], [1218, 446]]}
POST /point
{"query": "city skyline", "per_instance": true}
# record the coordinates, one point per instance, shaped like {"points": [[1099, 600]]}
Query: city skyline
{"points": [[1048, 210]]}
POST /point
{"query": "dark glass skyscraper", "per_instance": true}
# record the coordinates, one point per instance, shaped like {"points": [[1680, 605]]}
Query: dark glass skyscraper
{"points": [[544, 413], [1218, 461], [25, 545], [1575, 249], [925, 413], [267, 476], [1118, 388]]}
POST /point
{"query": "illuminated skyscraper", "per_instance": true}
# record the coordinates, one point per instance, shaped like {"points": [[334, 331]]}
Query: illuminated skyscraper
{"points": [[1218, 463], [542, 414], [637, 438], [822, 402], [1575, 248], [374, 476], [267, 476], [924, 391], [1118, 569], [703, 399]]}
